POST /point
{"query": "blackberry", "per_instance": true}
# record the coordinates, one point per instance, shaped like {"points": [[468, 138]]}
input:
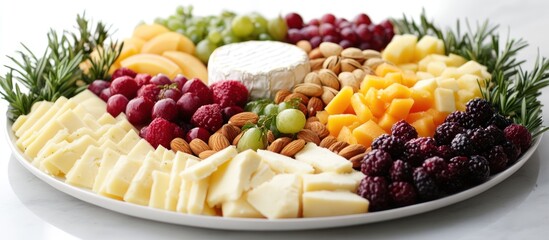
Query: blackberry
{"points": [[390, 144], [400, 171], [376, 163], [445, 152], [404, 131], [481, 140], [434, 166], [376, 191], [496, 133], [512, 151], [497, 159], [454, 177], [446, 132], [463, 119], [478, 169], [518, 135], [480, 109], [462, 145], [426, 186], [500, 121], [419, 149], [402, 194]]}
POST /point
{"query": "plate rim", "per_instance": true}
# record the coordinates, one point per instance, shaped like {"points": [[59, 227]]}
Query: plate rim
{"points": [[255, 224]]}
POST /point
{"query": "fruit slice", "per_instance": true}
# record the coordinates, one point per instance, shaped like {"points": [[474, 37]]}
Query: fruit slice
{"points": [[367, 132], [149, 31], [337, 121], [151, 64], [191, 66], [167, 41], [341, 101]]}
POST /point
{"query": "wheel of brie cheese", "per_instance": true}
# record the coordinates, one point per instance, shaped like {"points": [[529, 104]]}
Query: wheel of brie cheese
{"points": [[264, 67]]}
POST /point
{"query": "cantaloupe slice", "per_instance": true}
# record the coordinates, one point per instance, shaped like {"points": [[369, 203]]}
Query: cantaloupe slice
{"points": [[152, 64], [341, 101], [149, 31], [191, 66]]}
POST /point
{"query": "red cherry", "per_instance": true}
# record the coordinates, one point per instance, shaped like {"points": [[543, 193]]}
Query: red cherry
{"points": [[172, 93], [124, 85], [97, 86], [142, 79], [105, 94], [180, 80], [198, 132], [294, 20], [138, 110], [123, 72], [328, 18], [165, 108], [362, 19], [117, 104], [187, 105], [161, 79]]}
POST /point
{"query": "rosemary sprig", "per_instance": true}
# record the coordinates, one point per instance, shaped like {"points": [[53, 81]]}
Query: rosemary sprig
{"points": [[513, 91]]}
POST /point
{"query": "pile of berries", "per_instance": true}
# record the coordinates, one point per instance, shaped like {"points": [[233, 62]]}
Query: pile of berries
{"points": [[165, 108], [404, 169]]}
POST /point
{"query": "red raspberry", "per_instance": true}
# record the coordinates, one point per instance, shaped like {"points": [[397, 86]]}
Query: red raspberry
{"points": [[142, 79], [208, 117], [518, 135], [376, 191], [161, 132], [402, 194], [123, 72], [149, 91], [229, 93], [124, 85], [198, 88], [376, 163]]}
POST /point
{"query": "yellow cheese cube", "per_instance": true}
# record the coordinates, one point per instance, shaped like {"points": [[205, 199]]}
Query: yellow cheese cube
{"points": [[444, 100], [340, 203]]}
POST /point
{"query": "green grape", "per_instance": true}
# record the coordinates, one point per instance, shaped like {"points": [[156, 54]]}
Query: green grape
{"points": [[161, 21], [214, 37], [242, 26], [265, 37], [277, 28], [260, 24], [290, 121], [271, 109], [284, 105], [204, 49], [174, 24], [228, 39], [180, 10], [253, 139]]}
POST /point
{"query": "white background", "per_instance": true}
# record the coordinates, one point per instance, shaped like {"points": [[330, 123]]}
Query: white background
{"points": [[30, 209]]}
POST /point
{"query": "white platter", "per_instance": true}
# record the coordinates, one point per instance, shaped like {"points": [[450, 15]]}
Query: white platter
{"points": [[258, 224]]}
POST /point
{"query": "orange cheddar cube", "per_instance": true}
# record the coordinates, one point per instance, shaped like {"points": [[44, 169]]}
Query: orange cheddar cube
{"points": [[423, 100], [367, 132], [400, 107], [362, 110], [341, 101], [385, 68], [425, 127], [438, 117], [412, 117], [374, 103], [395, 90], [338, 121], [387, 121], [371, 81]]}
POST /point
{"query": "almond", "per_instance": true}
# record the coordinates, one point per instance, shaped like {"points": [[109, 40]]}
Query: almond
{"points": [[243, 118], [328, 141], [308, 89], [206, 154], [304, 99], [302, 108], [357, 160], [218, 142], [198, 146], [293, 147], [230, 131], [352, 150], [320, 129], [309, 136], [278, 144], [315, 104], [280, 95], [270, 136], [179, 144], [338, 146], [237, 138]]}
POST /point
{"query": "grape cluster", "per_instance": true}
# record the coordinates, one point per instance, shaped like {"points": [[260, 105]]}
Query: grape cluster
{"points": [[210, 32], [360, 32]]}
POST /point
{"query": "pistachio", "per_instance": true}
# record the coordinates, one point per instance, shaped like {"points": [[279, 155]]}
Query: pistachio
{"points": [[359, 74], [329, 49], [369, 53], [348, 79], [313, 78], [315, 53], [305, 45], [332, 63], [349, 65], [373, 62], [316, 64], [353, 53], [328, 94], [308, 89], [328, 79]]}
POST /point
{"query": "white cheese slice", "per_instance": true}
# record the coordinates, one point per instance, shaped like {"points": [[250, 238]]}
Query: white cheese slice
{"points": [[108, 160], [185, 189], [85, 169], [61, 162], [159, 188], [323, 160], [83, 96], [141, 149], [278, 198], [128, 142], [264, 67], [19, 122], [43, 115], [197, 196], [36, 111], [119, 178], [328, 181], [209, 165], [41, 138], [139, 190], [240, 208], [91, 122], [106, 118], [283, 164], [26, 133], [232, 178], [52, 145], [95, 106], [333, 203], [71, 121], [115, 134], [261, 175], [126, 125], [172, 194]]}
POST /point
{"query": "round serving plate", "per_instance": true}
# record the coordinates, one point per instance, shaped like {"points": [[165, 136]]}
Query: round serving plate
{"points": [[252, 224]]}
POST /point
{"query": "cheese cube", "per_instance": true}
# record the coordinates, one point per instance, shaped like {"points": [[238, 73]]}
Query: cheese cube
{"points": [[209, 165], [328, 203], [401, 49], [471, 67], [283, 164], [159, 188], [444, 100], [323, 160], [232, 178], [328, 181], [278, 198], [426, 84], [85, 169], [448, 83], [240, 208], [436, 68], [108, 160], [428, 45], [424, 75]]}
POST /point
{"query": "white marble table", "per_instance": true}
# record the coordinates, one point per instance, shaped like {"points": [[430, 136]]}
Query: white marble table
{"points": [[515, 209]]}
